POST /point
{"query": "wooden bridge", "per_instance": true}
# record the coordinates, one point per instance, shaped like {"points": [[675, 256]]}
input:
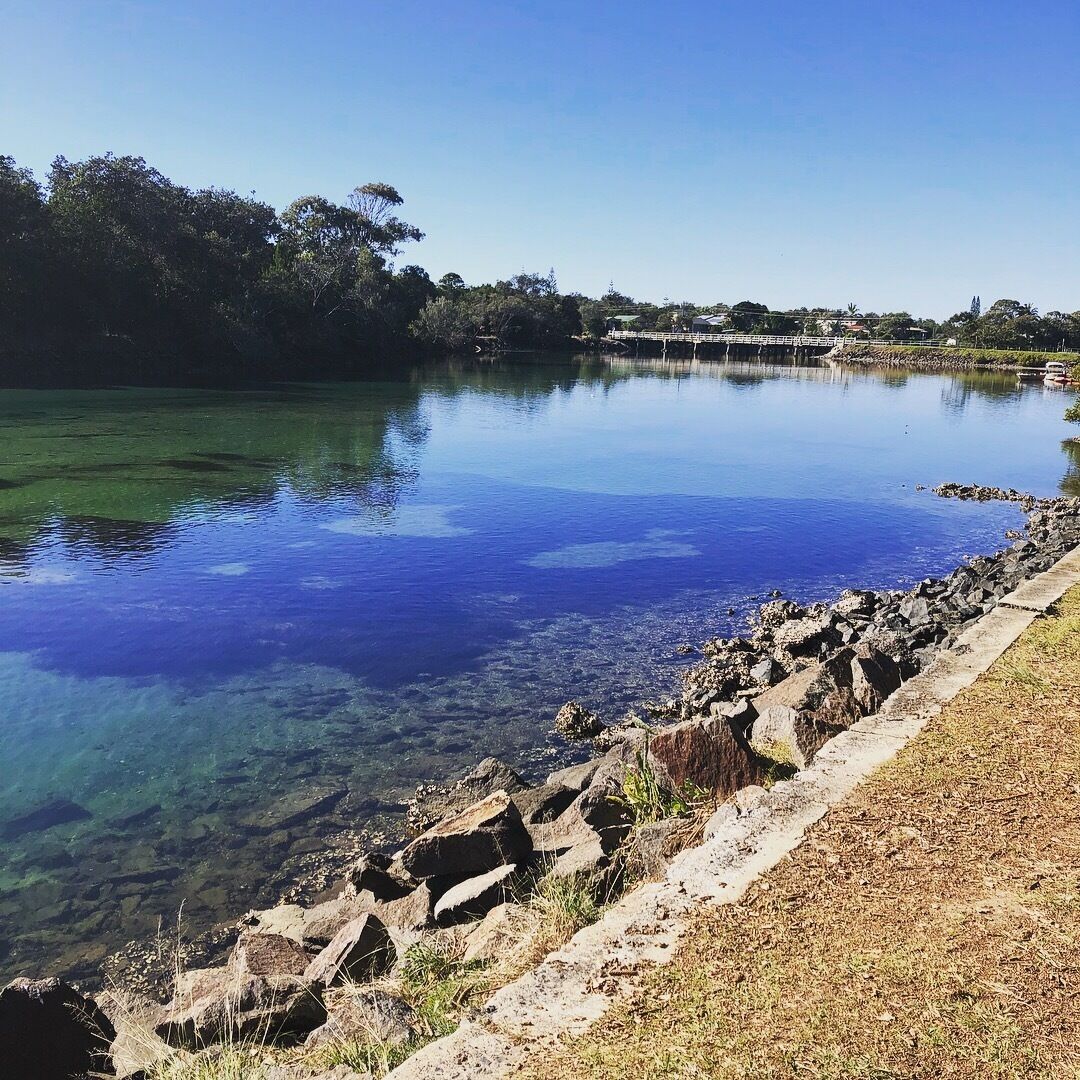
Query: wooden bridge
{"points": [[788, 341]]}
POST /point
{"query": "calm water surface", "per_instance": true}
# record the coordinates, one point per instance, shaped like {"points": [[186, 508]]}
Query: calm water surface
{"points": [[233, 623]]}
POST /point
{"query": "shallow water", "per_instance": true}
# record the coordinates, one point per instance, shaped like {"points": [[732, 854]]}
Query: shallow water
{"points": [[233, 623]]}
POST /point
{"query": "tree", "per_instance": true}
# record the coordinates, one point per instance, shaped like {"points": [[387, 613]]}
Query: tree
{"points": [[24, 248], [450, 283]]}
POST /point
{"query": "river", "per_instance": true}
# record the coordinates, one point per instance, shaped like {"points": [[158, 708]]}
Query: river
{"points": [[236, 625]]}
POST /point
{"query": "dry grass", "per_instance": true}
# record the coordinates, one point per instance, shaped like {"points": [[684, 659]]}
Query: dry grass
{"points": [[929, 926]]}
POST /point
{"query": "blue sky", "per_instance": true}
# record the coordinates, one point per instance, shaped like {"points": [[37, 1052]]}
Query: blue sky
{"points": [[898, 155]]}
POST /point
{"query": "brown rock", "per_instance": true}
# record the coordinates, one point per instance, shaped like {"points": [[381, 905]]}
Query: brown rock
{"points": [[480, 838], [711, 754], [268, 955]]}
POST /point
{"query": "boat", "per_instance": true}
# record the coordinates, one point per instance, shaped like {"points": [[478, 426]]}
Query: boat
{"points": [[1057, 374]]}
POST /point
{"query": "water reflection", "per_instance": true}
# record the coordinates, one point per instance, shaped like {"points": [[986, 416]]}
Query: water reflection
{"points": [[289, 604]]}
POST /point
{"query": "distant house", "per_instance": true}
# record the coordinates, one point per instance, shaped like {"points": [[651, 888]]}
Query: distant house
{"points": [[711, 324], [622, 322]]}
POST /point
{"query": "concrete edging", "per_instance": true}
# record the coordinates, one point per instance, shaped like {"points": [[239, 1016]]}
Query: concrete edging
{"points": [[576, 985]]}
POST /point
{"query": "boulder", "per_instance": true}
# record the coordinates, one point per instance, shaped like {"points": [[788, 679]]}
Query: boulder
{"points": [[285, 919], [544, 803], [434, 802], [323, 921], [49, 1031], [824, 689], [915, 610], [575, 777], [655, 843], [574, 722], [377, 874], [486, 835], [412, 912], [588, 859], [474, 897], [712, 754], [875, 676], [135, 1051], [491, 936], [594, 816], [269, 955], [361, 949], [787, 736], [807, 637], [364, 1014], [218, 1004]]}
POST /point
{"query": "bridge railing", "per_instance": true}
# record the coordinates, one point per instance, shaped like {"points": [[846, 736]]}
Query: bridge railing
{"points": [[737, 339], [796, 340]]}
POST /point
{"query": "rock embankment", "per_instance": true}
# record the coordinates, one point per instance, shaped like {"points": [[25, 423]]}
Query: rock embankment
{"points": [[928, 358], [751, 709]]}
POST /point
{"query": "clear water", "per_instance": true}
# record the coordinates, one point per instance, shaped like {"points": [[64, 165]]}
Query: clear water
{"points": [[214, 604]]}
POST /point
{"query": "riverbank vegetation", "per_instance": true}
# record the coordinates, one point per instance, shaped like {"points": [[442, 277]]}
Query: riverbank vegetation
{"points": [[109, 267]]}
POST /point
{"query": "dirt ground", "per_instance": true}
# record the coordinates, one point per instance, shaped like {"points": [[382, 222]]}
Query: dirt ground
{"points": [[928, 927]]}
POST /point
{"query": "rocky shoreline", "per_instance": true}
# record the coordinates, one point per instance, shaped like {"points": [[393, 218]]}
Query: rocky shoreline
{"points": [[753, 709]]}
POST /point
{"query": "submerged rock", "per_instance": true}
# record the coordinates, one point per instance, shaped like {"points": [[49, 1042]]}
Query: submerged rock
{"points": [[574, 722]]}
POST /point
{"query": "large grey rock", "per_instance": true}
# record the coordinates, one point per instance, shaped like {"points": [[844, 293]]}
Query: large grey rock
{"points": [[285, 919], [412, 912], [712, 754], [575, 777], [596, 815], [915, 610], [49, 1031], [322, 922], [359, 950], [653, 845], [823, 689], [364, 1014], [875, 675], [489, 940], [786, 735], [474, 897], [217, 1004], [486, 835], [543, 803]]}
